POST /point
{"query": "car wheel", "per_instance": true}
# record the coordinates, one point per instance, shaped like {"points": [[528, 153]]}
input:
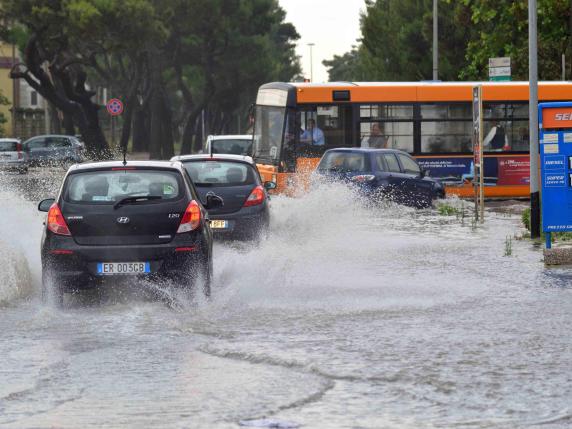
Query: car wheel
{"points": [[23, 170], [52, 290]]}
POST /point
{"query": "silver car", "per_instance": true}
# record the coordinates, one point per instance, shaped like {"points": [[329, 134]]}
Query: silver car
{"points": [[12, 155], [53, 150]]}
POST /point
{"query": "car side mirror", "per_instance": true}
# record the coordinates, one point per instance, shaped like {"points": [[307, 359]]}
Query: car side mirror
{"points": [[269, 185], [45, 205], [214, 201]]}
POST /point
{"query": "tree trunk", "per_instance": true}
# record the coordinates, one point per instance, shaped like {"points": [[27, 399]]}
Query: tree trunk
{"points": [[69, 126], [141, 130]]}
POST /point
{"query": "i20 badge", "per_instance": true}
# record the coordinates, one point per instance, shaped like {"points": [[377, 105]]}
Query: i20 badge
{"points": [[123, 220]]}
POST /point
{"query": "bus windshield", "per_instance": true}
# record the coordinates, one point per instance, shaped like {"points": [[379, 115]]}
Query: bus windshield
{"points": [[268, 132]]}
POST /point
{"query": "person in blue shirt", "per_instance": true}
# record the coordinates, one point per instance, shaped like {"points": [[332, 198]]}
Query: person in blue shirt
{"points": [[313, 135]]}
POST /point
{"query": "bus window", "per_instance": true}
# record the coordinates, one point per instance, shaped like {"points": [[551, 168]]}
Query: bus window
{"points": [[446, 127], [446, 136], [398, 135], [268, 130], [386, 111], [395, 123], [334, 121], [505, 127]]}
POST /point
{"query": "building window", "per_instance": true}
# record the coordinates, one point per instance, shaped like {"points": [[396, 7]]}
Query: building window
{"points": [[34, 98]]}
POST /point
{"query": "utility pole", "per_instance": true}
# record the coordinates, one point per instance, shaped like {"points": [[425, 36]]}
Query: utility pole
{"points": [[435, 42], [311, 45], [533, 119]]}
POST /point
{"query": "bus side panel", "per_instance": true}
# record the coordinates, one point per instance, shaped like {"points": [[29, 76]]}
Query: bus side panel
{"points": [[505, 175]]}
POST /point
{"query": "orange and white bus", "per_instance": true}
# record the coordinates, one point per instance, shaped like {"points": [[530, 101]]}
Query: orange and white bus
{"points": [[430, 120]]}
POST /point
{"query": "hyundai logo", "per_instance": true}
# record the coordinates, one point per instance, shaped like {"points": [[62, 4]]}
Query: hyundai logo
{"points": [[123, 219]]}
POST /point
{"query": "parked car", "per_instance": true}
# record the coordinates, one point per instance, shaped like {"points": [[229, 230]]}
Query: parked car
{"points": [[235, 178], [231, 144], [110, 220], [12, 157], [53, 150], [389, 173]]}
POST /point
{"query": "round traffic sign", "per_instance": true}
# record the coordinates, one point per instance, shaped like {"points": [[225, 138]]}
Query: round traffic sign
{"points": [[115, 107]]}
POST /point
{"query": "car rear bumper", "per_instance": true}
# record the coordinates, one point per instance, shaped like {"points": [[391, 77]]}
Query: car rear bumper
{"points": [[240, 225], [75, 266], [14, 165]]}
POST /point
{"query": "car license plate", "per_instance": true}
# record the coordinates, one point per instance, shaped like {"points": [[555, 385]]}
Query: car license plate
{"points": [[219, 224], [122, 268]]}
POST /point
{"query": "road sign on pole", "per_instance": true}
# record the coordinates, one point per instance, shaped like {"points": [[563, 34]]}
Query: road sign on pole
{"points": [[114, 107], [499, 69]]}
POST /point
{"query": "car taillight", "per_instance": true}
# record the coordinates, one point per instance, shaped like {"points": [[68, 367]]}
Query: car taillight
{"points": [[256, 197], [56, 222], [191, 219], [19, 149]]}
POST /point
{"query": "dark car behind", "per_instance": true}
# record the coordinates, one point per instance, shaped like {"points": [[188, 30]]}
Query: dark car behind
{"points": [[245, 212], [111, 220], [388, 173]]}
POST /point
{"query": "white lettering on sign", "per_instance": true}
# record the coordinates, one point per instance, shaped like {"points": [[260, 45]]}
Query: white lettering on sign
{"points": [[555, 180], [563, 116], [550, 148], [549, 138], [554, 163]]}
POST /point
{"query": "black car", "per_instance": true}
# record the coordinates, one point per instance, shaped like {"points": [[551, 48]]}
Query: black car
{"points": [[235, 178], [114, 220], [388, 173]]}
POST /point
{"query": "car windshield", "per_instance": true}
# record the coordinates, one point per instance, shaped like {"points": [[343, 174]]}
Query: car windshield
{"points": [[232, 146], [344, 162], [220, 173], [107, 187], [8, 146]]}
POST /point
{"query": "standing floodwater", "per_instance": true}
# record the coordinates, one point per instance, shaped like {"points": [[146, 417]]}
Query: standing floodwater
{"points": [[346, 316]]}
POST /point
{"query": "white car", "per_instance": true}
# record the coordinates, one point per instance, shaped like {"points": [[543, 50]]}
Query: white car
{"points": [[231, 144], [12, 155]]}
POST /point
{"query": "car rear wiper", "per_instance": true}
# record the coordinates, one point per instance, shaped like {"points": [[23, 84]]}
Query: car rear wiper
{"points": [[136, 199]]}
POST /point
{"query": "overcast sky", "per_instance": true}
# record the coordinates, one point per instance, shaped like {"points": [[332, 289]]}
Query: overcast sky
{"points": [[332, 25]]}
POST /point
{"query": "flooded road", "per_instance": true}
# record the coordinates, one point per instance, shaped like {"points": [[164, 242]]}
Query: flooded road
{"points": [[345, 317]]}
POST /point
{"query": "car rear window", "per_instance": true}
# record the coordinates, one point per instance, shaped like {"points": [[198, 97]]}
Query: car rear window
{"points": [[234, 146], [109, 186], [8, 146], [220, 173], [344, 161]]}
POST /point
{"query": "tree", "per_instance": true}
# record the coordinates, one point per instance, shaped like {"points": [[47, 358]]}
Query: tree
{"points": [[503, 31]]}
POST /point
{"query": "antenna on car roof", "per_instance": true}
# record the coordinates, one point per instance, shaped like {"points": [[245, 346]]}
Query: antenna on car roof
{"points": [[125, 155]]}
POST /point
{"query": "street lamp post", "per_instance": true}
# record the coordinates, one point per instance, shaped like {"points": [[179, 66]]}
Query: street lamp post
{"points": [[311, 45], [435, 41]]}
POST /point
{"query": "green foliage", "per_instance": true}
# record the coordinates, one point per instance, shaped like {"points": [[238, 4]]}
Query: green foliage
{"points": [[445, 209], [503, 31], [526, 218], [396, 41], [508, 246]]}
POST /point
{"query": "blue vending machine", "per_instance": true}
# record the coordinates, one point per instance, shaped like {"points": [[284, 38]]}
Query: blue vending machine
{"points": [[555, 135]]}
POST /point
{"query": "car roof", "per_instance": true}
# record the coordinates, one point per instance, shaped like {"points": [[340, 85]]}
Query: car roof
{"points": [[101, 165], [9, 139], [231, 136], [214, 157], [52, 135], [365, 150]]}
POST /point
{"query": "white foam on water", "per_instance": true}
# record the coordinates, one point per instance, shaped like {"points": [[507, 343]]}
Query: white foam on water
{"points": [[20, 235]]}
